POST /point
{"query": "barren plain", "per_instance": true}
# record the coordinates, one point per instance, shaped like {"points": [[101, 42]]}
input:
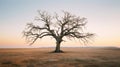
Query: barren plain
{"points": [[72, 57]]}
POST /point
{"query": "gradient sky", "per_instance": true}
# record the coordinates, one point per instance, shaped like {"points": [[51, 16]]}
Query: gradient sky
{"points": [[103, 19]]}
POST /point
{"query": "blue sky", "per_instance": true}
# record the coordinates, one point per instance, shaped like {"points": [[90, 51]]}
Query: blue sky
{"points": [[103, 19]]}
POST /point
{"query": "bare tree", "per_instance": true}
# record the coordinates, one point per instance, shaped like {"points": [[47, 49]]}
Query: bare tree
{"points": [[68, 25]]}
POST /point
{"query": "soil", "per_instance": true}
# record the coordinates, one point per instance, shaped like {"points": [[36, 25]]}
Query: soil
{"points": [[72, 57]]}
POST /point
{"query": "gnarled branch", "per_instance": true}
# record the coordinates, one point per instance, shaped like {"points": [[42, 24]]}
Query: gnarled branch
{"points": [[66, 26]]}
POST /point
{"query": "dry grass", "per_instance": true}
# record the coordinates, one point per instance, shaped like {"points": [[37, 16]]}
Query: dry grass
{"points": [[73, 57]]}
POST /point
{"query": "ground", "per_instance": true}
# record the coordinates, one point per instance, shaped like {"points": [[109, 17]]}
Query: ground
{"points": [[72, 57]]}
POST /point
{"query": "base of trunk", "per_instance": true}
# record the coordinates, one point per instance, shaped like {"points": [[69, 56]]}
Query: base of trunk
{"points": [[58, 51]]}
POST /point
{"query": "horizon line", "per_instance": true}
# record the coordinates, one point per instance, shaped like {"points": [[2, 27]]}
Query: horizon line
{"points": [[63, 47]]}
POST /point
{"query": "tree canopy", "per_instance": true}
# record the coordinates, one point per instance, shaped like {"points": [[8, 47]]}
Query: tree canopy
{"points": [[58, 27]]}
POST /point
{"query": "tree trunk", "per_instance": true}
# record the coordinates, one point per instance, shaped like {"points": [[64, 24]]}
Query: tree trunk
{"points": [[57, 49]]}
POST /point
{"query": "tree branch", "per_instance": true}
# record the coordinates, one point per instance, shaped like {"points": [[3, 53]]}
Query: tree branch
{"points": [[66, 26]]}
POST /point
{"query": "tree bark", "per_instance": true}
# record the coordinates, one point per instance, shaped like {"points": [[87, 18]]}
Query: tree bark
{"points": [[57, 49]]}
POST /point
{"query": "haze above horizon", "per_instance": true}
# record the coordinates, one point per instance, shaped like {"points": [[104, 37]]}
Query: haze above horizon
{"points": [[102, 15]]}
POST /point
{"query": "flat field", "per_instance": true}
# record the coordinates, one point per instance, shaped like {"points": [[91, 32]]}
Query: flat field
{"points": [[72, 57]]}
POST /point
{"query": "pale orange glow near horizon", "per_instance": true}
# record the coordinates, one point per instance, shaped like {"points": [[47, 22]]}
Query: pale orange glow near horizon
{"points": [[103, 20]]}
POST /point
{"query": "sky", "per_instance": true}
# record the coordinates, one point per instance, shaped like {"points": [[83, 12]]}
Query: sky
{"points": [[103, 19]]}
